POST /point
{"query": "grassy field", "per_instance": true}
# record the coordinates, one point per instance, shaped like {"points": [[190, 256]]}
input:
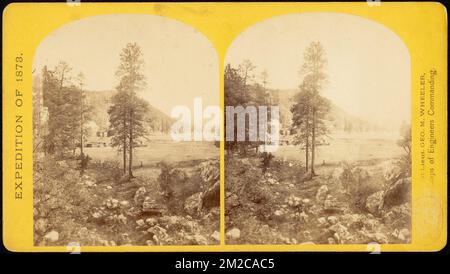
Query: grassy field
{"points": [[158, 151], [345, 149]]}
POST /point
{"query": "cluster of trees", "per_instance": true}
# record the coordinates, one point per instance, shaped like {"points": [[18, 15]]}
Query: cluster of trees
{"points": [[65, 101], [310, 109], [244, 88], [68, 111]]}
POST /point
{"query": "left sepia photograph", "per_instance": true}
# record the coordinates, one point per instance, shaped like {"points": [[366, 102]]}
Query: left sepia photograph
{"points": [[126, 134]]}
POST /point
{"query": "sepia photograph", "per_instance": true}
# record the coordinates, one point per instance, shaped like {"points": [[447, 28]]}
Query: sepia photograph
{"points": [[317, 133], [112, 94]]}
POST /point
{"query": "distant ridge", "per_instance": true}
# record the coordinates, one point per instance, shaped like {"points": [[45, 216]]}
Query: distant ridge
{"points": [[100, 101], [339, 119]]}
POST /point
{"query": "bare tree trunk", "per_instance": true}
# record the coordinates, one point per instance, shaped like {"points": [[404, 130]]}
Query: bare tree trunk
{"points": [[81, 123], [313, 142], [130, 163], [307, 154], [124, 148], [307, 146]]}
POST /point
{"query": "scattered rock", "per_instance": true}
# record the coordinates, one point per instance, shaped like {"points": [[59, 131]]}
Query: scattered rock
{"points": [[140, 222], [231, 202], [52, 236], [322, 221], [125, 238], [278, 212], [192, 204], [307, 235], [374, 202], [304, 217], [112, 203], [96, 215], [200, 240], [139, 196], [63, 164], [89, 183], [294, 201], [404, 234], [41, 225], [233, 233], [121, 218], [216, 236], [151, 221], [322, 193], [380, 238], [329, 203], [124, 203], [332, 220], [151, 207]]}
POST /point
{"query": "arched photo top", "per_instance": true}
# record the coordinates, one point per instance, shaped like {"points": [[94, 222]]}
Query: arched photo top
{"points": [[368, 66], [180, 63]]}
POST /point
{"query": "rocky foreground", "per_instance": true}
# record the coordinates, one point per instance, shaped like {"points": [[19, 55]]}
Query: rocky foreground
{"points": [[344, 204], [165, 205]]}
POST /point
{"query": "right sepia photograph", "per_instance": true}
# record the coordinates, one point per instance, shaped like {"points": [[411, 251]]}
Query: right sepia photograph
{"points": [[317, 132]]}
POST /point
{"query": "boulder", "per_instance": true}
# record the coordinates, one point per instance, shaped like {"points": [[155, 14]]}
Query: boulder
{"points": [[139, 196], [341, 233], [397, 193], [151, 222], [125, 203], [304, 217], [52, 236], [122, 219], [216, 236], [140, 222], [233, 233], [330, 202], [332, 219], [322, 221], [404, 234], [200, 240], [322, 193], [89, 183], [211, 196], [151, 207], [111, 203]]}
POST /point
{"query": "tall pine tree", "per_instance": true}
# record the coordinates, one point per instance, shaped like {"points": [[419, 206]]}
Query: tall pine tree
{"points": [[126, 114]]}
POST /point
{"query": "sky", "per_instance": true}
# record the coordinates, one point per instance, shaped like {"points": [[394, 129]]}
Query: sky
{"points": [[180, 63], [368, 66]]}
